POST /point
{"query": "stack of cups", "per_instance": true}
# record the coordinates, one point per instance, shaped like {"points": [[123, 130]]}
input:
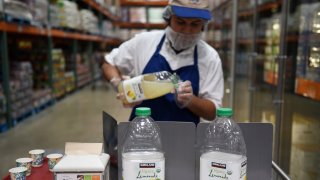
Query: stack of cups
{"points": [[25, 162]]}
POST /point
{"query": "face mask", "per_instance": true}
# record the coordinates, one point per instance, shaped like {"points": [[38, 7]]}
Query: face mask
{"points": [[181, 41]]}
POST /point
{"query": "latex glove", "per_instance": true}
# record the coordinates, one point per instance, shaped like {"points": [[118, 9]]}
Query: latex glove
{"points": [[183, 94], [115, 81]]}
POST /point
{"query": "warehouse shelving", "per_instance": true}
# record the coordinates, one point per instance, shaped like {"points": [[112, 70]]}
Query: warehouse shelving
{"points": [[51, 37], [55, 33], [261, 8], [143, 4], [102, 10]]}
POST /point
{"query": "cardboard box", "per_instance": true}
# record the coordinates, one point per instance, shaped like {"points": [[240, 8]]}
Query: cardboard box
{"points": [[83, 161]]}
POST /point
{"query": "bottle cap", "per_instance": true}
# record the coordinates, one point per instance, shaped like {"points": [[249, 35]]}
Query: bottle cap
{"points": [[143, 111], [224, 112]]}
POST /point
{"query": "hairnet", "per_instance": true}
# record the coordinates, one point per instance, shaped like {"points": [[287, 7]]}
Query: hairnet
{"points": [[167, 13]]}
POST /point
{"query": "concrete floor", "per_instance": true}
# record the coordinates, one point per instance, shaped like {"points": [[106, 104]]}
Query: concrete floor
{"points": [[76, 118]]}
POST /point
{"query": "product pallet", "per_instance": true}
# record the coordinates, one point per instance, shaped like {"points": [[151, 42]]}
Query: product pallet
{"points": [[23, 116]]}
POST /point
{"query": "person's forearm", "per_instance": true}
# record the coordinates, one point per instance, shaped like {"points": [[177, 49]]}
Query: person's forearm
{"points": [[203, 108], [110, 71]]}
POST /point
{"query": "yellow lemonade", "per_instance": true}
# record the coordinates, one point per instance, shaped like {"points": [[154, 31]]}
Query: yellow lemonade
{"points": [[154, 89], [144, 87]]}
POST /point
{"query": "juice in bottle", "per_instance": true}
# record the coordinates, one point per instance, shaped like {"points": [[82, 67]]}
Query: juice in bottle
{"points": [[147, 86]]}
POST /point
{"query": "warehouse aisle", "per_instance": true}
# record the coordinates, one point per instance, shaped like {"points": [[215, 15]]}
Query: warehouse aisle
{"points": [[76, 118]]}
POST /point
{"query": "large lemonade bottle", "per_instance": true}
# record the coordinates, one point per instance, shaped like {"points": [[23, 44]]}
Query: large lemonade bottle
{"points": [[147, 86], [224, 149], [142, 154]]}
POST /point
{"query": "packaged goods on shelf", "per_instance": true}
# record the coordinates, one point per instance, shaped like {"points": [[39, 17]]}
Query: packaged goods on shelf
{"points": [[83, 70], [245, 30], [107, 29], [41, 11], [18, 9], [89, 22], [138, 14], [71, 11], [21, 88], [307, 13], [55, 16], [96, 61], [308, 59], [124, 14], [41, 97], [124, 34], [59, 65], [261, 28], [70, 81], [155, 15], [65, 13], [83, 75]]}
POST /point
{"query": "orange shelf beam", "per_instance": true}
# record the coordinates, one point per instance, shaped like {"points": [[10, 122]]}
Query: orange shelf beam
{"points": [[30, 30], [101, 9], [22, 29]]}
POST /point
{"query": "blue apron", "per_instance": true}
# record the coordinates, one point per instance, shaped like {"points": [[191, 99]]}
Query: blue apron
{"points": [[164, 108]]}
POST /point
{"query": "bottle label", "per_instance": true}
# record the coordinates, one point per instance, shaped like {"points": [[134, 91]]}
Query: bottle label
{"points": [[133, 90], [218, 169], [143, 170]]}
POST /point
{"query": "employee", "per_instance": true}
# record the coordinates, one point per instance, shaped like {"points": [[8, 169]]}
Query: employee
{"points": [[178, 49]]}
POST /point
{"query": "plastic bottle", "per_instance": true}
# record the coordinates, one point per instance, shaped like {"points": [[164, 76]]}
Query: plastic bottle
{"points": [[223, 154], [147, 86], [142, 154]]}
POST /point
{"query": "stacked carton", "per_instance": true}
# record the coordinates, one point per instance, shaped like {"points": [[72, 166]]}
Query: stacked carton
{"points": [[21, 84], [59, 65]]}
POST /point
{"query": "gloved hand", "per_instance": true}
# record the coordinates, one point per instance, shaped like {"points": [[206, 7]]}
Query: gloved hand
{"points": [[183, 94], [115, 81]]}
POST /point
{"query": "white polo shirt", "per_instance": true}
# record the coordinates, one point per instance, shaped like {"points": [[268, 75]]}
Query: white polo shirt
{"points": [[132, 57]]}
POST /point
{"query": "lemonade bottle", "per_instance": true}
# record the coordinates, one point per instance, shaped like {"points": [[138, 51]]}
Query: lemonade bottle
{"points": [[223, 153], [142, 154], [147, 86]]}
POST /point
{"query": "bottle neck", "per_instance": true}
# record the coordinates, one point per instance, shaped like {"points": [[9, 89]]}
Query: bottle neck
{"points": [[224, 116]]}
